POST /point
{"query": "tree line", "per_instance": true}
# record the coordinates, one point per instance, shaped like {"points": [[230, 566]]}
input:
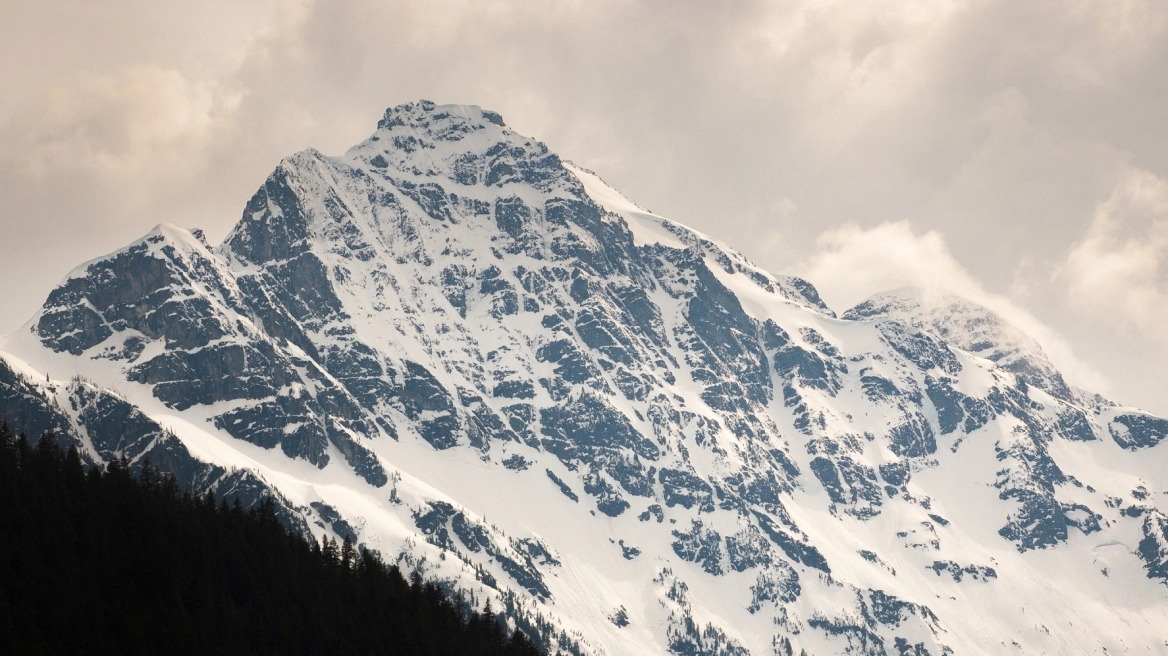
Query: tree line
{"points": [[100, 561]]}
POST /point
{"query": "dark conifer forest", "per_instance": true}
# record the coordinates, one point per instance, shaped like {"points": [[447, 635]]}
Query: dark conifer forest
{"points": [[103, 562]]}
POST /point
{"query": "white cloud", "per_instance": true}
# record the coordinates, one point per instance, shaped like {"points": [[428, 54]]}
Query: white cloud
{"points": [[1118, 271], [851, 263], [997, 124], [140, 121]]}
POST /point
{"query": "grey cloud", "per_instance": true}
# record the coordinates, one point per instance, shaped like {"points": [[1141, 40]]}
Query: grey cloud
{"points": [[999, 125], [1119, 269]]}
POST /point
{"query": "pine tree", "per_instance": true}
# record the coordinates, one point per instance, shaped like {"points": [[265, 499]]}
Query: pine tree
{"points": [[133, 565], [347, 552]]}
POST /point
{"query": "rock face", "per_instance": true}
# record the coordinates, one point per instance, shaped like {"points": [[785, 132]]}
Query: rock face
{"points": [[104, 426], [676, 450]]}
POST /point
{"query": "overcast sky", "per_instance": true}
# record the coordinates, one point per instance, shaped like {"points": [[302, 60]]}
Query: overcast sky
{"points": [[1015, 151]]}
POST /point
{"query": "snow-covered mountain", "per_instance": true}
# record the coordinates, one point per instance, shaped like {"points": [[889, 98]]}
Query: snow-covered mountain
{"points": [[493, 368]]}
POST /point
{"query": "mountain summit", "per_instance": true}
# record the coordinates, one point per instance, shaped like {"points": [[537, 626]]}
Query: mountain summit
{"points": [[480, 360]]}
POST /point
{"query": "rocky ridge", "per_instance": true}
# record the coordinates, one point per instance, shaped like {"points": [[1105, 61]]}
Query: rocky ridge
{"points": [[676, 450]]}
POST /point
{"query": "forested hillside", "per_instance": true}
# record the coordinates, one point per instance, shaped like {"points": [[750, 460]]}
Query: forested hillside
{"points": [[100, 561]]}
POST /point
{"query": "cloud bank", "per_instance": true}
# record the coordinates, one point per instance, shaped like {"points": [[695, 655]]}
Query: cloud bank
{"points": [[1119, 269], [991, 140], [850, 262]]}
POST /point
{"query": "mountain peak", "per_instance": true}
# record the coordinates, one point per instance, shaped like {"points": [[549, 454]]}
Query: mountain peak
{"points": [[179, 240], [170, 234], [426, 114], [466, 144], [971, 327]]}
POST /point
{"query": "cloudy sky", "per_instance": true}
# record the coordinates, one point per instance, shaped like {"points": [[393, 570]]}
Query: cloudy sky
{"points": [[1014, 151]]}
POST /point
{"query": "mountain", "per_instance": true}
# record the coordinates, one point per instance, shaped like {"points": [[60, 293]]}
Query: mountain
{"points": [[486, 364]]}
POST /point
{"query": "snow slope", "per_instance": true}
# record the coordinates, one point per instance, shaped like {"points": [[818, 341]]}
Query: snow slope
{"points": [[495, 369]]}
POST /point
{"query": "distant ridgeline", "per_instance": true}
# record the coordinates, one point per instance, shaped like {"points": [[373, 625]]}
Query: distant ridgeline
{"points": [[103, 562], [461, 351]]}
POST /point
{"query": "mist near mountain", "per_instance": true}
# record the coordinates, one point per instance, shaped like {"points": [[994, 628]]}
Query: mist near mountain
{"points": [[1025, 139]]}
